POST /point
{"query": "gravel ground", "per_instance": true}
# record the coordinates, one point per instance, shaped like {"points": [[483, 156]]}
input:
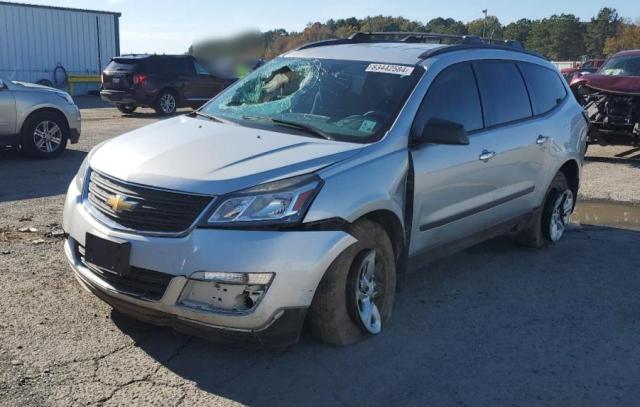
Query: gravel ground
{"points": [[611, 173], [494, 325]]}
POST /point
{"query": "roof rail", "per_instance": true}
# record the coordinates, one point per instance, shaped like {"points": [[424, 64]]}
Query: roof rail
{"points": [[468, 41], [463, 47]]}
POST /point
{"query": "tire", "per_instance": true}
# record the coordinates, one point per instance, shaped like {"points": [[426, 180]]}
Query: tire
{"points": [[549, 225], [166, 103], [44, 135], [335, 313], [126, 109]]}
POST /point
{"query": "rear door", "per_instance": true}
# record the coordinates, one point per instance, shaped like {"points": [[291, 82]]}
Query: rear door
{"points": [[512, 138], [7, 111], [185, 77]]}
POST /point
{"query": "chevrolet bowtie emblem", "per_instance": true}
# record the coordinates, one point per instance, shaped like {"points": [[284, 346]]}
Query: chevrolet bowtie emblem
{"points": [[120, 204]]}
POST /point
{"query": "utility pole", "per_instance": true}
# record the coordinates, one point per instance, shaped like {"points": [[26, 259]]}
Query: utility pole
{"points": [[484, 22]]}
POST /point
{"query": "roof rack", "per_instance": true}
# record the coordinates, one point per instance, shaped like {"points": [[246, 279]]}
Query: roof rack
{"points": [[458, 41]]}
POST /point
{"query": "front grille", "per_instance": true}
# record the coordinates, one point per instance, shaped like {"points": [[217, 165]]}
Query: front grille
{"points": [[139, 282], [156, 210]]}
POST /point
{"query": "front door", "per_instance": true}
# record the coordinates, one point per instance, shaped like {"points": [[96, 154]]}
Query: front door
{"points": [[205, 85]]}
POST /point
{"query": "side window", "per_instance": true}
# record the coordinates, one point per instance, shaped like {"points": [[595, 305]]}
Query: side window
{"points": [[452, 96], [200, 70], [545, 87], [503, 92], [184, 66]]}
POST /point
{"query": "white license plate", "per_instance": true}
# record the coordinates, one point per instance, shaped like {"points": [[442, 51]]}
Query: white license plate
{"points": [[116, 80]]}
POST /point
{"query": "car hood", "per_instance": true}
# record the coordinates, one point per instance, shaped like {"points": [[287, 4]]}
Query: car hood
{"points": [[34, 86], [627, 85], [201, 156]]}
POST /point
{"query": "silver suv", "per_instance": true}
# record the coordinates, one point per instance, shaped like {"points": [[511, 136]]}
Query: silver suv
{"points": [[37, 119], [297, 194]]}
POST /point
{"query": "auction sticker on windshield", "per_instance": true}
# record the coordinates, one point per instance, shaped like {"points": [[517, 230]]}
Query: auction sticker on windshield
{"points": [[388, 68]]}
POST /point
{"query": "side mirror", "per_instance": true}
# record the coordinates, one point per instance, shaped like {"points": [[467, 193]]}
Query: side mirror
{"points": [[441, 131]]}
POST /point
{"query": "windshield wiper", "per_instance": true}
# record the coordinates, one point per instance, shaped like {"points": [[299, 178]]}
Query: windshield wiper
{"points": [[313, 131], [207, 116]]}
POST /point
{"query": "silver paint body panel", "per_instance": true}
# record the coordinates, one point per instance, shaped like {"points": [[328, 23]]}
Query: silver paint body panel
{"points": [[200, 156]]}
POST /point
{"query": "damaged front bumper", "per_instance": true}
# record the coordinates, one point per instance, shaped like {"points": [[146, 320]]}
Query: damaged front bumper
{"points": [[614, 117], [167, 285], [282, 328]]}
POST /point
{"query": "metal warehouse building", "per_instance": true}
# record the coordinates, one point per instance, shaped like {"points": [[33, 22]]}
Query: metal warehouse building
{"points": [[67, 47]]}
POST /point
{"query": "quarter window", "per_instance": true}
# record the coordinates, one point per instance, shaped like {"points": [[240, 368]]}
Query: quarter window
{"points": [[200, 70], [504, 95], [453, 96], [545, 87]]}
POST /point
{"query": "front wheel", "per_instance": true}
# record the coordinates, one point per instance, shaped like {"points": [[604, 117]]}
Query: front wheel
{"points": [[44, 135], [355, 298]]}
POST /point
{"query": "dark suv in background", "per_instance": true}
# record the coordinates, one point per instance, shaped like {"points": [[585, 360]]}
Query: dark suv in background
{"points": [[163, 82]]}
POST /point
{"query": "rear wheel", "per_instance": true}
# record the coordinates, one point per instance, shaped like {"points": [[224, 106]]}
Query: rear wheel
{"points": [[126, 109], [167, 103], [44, 135], [551, 223], [355, 298]]}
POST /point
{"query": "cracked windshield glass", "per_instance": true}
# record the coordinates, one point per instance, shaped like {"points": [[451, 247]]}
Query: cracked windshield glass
{"points": [[341, 100]]}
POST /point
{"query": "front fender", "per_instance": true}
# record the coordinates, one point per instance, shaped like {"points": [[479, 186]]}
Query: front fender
{"points": [[362, 185]]}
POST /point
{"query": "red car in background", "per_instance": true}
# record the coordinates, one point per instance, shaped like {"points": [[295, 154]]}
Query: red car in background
{"points": [[611, 99], [588, 66]]}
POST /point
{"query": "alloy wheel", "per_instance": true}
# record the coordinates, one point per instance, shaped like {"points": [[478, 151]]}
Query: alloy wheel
{"points": [[560, 214], [368, 290], [47, 136], [168, 103]]}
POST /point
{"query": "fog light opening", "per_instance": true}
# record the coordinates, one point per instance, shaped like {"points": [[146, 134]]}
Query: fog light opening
{"points": [[225, 297]]}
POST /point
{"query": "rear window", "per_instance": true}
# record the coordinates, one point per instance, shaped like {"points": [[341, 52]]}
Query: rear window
{"points": [[545, 87], [122, 64], [503, 92]]}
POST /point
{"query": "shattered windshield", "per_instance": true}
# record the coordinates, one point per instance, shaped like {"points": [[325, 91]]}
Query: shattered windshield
{"points": [[622, 66], [342, 100]]}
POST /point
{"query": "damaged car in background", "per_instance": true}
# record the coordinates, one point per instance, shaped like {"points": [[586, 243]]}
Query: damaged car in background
{"points": [[611, 100]]}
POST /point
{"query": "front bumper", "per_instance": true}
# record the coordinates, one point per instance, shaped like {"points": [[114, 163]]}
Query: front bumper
{"points": [[298, 259], [74, 119]]}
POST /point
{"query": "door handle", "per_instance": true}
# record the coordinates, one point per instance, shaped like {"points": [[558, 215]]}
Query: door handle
{"points": [[486, 155], [541, 140]]}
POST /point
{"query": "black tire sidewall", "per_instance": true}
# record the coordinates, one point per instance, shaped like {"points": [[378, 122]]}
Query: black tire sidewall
{"points": [[126, 109], [158, 107], [26, 135], [333, 316], [557, 187]]}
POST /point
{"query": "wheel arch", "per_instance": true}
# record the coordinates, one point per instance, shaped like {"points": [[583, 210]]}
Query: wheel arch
{"points": [[47, 109], [392, 225], [571, 171], [171, 89]]}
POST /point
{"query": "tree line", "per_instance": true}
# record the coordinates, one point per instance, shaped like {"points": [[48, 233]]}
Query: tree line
{"points": [[558, 37]]}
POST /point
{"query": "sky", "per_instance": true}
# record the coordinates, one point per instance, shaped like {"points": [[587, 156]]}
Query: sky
{"points": [[164, 26]]}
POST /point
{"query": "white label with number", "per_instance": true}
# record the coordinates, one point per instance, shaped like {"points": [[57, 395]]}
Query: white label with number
{"points": [[388, 68]]}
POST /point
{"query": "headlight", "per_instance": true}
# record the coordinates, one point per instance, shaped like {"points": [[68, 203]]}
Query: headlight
{"points": [[66, 97], [279, 202], [82, 173]]}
